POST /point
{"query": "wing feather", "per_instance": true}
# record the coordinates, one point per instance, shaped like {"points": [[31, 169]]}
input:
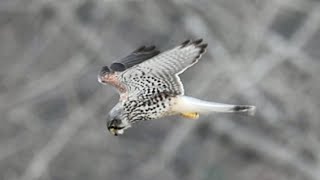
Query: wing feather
{"points": [[178, 59], [136, 57], [160, 73]]}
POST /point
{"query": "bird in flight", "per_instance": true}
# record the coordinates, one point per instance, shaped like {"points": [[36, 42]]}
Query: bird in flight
{"points": [[150, 88]]}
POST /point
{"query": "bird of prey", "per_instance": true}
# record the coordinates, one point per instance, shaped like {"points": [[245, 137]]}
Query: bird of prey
{"points": [[150, 88]]}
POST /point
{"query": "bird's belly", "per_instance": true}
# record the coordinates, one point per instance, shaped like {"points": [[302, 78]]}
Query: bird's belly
{"points": [[159, 108]]}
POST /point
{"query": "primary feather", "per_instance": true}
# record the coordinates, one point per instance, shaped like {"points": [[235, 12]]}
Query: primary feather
{"points": [[136, 57]]}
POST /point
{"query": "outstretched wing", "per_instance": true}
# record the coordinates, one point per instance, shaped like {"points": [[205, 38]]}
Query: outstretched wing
{"points": [[160, 73]]}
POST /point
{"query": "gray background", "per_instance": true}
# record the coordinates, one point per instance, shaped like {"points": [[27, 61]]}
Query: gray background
{"points": [[261, 52]]}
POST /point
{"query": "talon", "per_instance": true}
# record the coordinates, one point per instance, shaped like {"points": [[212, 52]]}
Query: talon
{"points": [[190, 115]]}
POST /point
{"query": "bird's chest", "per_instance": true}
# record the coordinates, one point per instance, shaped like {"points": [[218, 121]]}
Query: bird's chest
{"points": [[154, 107]]}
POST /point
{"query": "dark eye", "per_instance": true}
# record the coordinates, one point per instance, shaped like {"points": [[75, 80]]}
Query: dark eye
{"points": [[104, 70]]}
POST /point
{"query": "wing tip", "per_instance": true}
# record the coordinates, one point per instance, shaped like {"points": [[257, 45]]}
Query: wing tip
{"points": [[195, 42], [203, 48], [185, 43], [199, 44], [198, 41]]}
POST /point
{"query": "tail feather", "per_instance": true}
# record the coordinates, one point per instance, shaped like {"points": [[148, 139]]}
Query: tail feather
{"points": [[187, 104]]}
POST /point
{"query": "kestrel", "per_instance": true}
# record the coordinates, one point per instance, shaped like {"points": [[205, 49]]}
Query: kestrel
{"points": [[150, 88]]}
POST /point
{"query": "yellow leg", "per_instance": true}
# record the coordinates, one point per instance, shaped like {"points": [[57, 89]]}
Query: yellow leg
{"points": [[190, 115]]}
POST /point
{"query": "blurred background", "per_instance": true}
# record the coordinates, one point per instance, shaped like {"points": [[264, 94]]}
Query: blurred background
{"points": [[261, 52]]}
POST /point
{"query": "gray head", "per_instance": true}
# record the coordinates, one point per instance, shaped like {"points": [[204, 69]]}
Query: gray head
{"points": [[117, 122]]}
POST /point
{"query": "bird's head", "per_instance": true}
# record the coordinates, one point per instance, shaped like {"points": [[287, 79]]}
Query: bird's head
{"points": [[117, 122]]}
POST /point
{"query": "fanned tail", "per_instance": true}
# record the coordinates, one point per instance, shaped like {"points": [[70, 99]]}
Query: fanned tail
{"points": [[185, 104]]}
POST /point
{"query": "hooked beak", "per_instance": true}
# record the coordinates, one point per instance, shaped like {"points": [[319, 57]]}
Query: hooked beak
{"points": [[116, 127], [116, 132]]}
